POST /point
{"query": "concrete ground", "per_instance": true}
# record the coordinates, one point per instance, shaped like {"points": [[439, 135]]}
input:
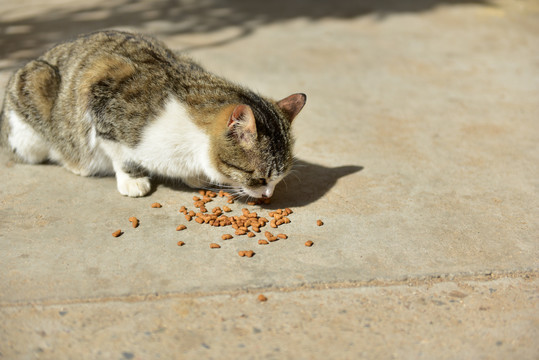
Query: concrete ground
{"points": [[418, 148]]}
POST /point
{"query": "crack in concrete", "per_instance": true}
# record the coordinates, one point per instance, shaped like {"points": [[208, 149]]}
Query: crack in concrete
{"points": [[530, 274]]}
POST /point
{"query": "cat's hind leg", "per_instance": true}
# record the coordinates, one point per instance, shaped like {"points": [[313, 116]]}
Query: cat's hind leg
{"points": [[30, 95], [25, 143]]}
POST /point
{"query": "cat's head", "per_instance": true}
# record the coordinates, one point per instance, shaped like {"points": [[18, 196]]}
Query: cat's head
{"points": [[254, 149]]}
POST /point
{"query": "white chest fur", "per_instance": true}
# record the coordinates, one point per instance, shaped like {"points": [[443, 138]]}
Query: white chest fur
{"points": [[174, 146]]}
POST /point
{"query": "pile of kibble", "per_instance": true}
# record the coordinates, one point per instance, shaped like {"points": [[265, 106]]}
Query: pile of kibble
{"points": [[247, 224]]}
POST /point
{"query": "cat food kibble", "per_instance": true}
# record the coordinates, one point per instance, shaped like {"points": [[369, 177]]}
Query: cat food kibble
{"points": [[134, 221], [117, 233], [262, 298], [156, 205], [247, 222]]}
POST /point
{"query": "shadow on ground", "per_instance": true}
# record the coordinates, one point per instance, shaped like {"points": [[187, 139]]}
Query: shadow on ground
{"points": [[308, 183], [26, 37]]}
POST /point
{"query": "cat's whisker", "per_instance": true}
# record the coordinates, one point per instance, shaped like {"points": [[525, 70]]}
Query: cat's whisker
{"points": [[285, 184], [294, 172]]}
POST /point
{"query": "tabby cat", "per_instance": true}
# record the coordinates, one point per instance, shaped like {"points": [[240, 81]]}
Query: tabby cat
{"points": [[113, 102]]}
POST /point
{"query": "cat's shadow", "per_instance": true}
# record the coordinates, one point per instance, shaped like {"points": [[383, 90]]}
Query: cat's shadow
{"points": [[306, 184]]}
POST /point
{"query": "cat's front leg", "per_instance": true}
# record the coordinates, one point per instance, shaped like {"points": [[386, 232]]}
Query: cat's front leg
{"points": [[132, 186], [131, 178]]}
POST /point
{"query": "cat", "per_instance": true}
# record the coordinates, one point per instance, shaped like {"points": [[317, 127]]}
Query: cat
{"points": [[113, 102]]}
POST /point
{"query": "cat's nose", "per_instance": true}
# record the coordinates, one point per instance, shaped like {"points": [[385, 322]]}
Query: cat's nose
{"points": [[267, 193]]}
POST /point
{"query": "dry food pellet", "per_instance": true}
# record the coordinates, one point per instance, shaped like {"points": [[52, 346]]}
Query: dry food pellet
{"points": [[181, 243], [181, 227], [226, 209], [196, 198], [273, 223], [251, 203], [263, 242], [215, 246], [226, 237], [241, 253], [156, 205], [240, 232], [251, 234], [117, 233], [319, 222], [199, 220], [188, 217], [183, 209], [202, 192], [288, 211], [309, 243], [249, 253], [134, 221], [262, 298], [282, 236], [273, 238]]}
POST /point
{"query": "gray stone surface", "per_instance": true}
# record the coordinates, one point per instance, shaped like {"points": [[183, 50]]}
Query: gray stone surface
{"points": [[418, 148]]}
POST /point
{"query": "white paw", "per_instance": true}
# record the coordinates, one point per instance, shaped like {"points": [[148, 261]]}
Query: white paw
{"points": [[133, 187]]}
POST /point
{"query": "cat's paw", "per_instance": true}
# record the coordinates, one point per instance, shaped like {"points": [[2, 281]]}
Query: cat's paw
{"points": [[133, 187]]}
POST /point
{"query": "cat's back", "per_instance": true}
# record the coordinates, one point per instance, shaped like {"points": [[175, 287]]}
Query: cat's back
{"points": [[88, 48]]}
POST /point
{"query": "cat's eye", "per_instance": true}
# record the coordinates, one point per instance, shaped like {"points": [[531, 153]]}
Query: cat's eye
{"points": [[236, 167]]}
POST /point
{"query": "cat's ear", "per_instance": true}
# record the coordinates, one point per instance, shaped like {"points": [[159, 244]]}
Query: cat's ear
{"points": [[292, 105], [242, 124]]}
